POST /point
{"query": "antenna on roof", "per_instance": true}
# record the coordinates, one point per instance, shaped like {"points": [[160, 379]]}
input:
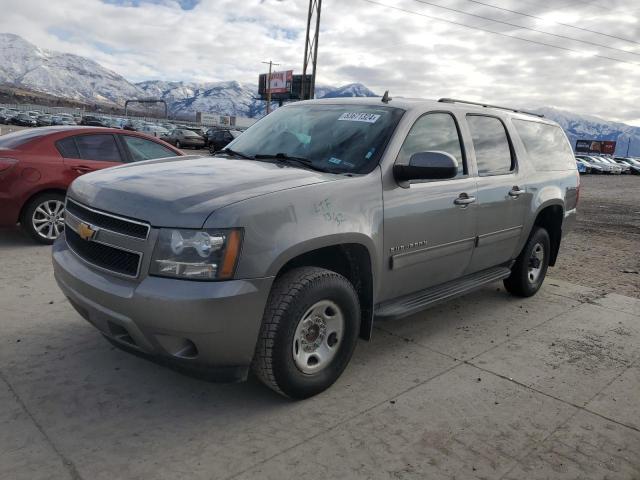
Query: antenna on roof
{"points": [[386, 98]]}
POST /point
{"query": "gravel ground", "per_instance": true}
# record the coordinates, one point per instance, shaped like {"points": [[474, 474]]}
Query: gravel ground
{"points": [[603, 251]]}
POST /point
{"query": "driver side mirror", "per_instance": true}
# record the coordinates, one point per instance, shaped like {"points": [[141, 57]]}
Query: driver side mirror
{"points": [[433, 165]]}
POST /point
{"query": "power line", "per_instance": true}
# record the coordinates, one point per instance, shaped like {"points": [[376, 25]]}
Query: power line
{"points": [[564, 37], [524, 14], [460, 24]]}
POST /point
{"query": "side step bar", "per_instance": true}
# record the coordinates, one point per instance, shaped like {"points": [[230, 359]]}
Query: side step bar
{"points": [[410, 304]]}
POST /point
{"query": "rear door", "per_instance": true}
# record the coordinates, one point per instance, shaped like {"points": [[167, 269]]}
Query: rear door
{"points": [[87, 153], [502, 198]]}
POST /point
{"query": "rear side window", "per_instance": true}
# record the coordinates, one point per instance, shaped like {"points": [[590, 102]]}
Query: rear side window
{"points": [[67, 148], [490, 141], [142, 149], [101, 147], [546, 145], [433, 132]]}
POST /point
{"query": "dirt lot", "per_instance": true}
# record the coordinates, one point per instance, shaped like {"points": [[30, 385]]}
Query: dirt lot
{"points": [[603, 251]]}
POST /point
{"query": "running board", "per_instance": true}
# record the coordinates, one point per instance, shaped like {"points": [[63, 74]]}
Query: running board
{"points": [[410, 304]]}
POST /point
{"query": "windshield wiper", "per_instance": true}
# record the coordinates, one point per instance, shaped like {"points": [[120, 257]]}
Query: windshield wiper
{"points": [[233, 153], [284, 157]]}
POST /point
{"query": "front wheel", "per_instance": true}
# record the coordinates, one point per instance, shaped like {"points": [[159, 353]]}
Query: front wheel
{"points": [[309, 332], [528, 273]]}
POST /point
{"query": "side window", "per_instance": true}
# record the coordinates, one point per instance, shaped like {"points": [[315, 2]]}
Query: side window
{"points": [[67, 148], [546, 145], [142, 149], [490, 141], [433, 131], [100, 147]]}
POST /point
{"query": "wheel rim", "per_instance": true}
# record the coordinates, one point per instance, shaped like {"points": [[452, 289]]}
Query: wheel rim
{"points": [[48, 219], [318, 337], [536, 261]]}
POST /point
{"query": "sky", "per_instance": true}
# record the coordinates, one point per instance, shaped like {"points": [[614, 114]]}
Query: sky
{"points": [[412, 48]]}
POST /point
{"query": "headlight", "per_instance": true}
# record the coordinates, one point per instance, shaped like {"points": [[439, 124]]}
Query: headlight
{"points": [[196, 254]]}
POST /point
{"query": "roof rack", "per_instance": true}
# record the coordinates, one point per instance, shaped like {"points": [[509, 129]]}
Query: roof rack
{"points": [[486, 105]]}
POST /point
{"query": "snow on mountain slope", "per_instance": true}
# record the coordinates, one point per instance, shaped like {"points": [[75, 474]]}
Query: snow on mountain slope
{"points": [[226, 98], [25, 65], [350, 90]]}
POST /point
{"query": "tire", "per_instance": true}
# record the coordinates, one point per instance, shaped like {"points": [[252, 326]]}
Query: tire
{"points": [[528, 273], [43, 218], [300, 303]]}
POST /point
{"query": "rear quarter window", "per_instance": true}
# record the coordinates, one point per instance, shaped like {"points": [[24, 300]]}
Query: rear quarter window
{"points": [[546, 145]]}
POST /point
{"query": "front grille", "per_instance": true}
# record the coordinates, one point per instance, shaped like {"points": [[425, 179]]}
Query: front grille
{"points": [[104, 256], [118, 225]]}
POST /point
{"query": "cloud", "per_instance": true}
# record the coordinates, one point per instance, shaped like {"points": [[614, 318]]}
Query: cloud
{"points": [[413, 56]]}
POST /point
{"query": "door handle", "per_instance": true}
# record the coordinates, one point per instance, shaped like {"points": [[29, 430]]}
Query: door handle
{"points": [[82, 169], [464, 199], [515, 191]]}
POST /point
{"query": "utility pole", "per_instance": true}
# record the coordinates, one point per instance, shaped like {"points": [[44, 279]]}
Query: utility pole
{"points": [[271, 64], [628, 145], [311, 50]]}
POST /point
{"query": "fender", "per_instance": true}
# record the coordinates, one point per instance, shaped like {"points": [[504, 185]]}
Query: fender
{"points": [[545, 197], [332, 240]]}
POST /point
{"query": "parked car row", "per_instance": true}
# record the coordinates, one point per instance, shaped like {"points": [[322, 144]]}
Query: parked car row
{"points": [[599, 164], [38, 165], [33, 118]]}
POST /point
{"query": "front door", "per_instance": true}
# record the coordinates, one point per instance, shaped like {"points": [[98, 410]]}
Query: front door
{"points": [[502, 198], [429, 226]]}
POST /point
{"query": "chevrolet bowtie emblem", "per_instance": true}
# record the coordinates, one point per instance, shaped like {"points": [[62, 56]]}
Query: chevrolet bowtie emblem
{"points": [[86, 231]]}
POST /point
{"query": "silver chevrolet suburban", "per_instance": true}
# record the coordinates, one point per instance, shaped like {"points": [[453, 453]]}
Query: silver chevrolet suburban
{"points": [[281, 250]]}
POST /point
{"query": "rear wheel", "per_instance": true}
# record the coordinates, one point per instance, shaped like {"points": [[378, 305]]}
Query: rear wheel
{"points": [[43, 217], [528, 273], [309, 332]]}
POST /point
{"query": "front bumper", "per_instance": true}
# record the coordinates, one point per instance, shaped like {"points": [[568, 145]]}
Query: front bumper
{"points": [[202, 326]]}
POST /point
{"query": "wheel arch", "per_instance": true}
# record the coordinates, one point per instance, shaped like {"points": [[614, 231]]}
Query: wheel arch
{"points": [[354, 261], [550, 216]]}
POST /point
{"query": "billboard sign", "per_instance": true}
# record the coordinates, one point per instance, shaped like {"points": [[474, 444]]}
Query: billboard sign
{"points": [[280, 82], [291, 93], [604, 147]]}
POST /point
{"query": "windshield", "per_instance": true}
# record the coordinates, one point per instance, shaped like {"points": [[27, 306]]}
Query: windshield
{"points": [[336, 138]]}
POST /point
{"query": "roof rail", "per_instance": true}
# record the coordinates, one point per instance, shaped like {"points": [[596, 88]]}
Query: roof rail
{"points": [[486, 105]]}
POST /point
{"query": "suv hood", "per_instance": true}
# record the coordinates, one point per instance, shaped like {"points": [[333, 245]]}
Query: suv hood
{"points": [[182, 192]]}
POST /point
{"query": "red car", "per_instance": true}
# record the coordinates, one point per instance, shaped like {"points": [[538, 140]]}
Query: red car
{"points": [[37, 166]]}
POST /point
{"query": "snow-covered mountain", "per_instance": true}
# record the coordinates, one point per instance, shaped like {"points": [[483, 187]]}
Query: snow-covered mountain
{"points": [[225, 98], [25, 65], [229, 98], [350, 90]]}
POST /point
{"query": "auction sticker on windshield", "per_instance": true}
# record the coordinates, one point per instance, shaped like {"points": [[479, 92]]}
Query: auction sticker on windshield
{"points": [[359, 117]]}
